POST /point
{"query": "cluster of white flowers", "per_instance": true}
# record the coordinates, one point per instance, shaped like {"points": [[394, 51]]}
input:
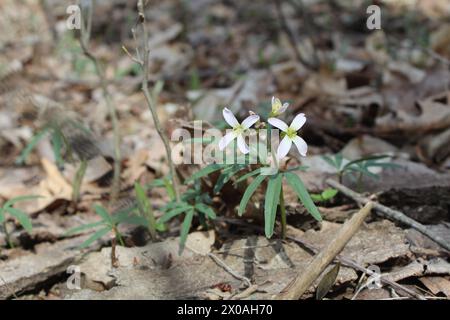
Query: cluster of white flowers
{"points": [[290, 133]]}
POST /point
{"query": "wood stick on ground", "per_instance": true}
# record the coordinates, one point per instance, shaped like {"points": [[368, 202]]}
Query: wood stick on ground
{"points": [[343, 260], [304, 280], [351, 264], [390, 213]]}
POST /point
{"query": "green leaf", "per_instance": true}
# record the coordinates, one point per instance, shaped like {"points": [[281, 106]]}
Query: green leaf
{"points": [[137, 220], [225, 176], [22, 217], [328, 193], [145, 208], [31, 145], [316, 197], [2, 215], [297, 168], [101, 211], [169, 188], [13, 201], [338, 158], [173, 213], [296, 183], [57, 144], [206, 171], [271, 203], [248, 175], [83, 227], [208, 211], [185, 230], [331, 162], [249, 192], [97, 235], [327, 282]]}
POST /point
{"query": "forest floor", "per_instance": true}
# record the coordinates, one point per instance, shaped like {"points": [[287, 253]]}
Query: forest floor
{"points": [[364, 93]]}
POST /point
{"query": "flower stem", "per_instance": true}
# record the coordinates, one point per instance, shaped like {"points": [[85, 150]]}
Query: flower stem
{"points": [[283, 214]]}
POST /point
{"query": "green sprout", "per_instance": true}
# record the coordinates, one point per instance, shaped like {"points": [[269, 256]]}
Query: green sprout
{"points": [[19, 215], [109, 223], [360, 167]]}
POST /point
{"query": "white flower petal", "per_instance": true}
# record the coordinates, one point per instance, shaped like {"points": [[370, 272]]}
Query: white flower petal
{"points": [[278, 124], [284, 147], [298, 122], [283, 107], [225, 140], [301, 145], [273, 100], [249, 121], [229, 117], [242, 145]]}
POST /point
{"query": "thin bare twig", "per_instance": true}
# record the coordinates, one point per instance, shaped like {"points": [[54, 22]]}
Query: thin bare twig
{"points": [[390, 213], [222, 264], [84, 42], [143, 61]]}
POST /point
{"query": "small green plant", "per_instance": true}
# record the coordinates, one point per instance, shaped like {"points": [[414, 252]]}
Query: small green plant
{"points": [[19, 215], [325, 195], [359, 166], [193, 202], [64, 146], [109, 223]]}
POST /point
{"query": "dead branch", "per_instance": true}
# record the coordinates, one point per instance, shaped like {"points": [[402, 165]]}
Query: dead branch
{"points": [[304, 280], [390, 213]]}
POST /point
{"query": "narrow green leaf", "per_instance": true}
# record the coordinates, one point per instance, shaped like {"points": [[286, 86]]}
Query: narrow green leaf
{"points": [[185, 230], [248, 175], [31, 145], [145, 208], [271, 203], [208, 211], [101, 211], [83, 227], [22, 217], [330, 161], [225, 177], [15, 200], [206, 171], [297, 184], [173, 213], [137, 220], [169, 188], [97, 235], [249, 192], [57, 144], [2, 215]]}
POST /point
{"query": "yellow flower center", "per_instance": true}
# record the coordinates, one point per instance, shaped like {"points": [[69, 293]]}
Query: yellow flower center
{"points": [[238, 129], [291, 133]]}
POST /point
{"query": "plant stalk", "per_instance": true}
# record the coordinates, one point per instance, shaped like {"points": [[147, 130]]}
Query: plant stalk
{"points": [[151, 100], [283, 215], [84, 39]]}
